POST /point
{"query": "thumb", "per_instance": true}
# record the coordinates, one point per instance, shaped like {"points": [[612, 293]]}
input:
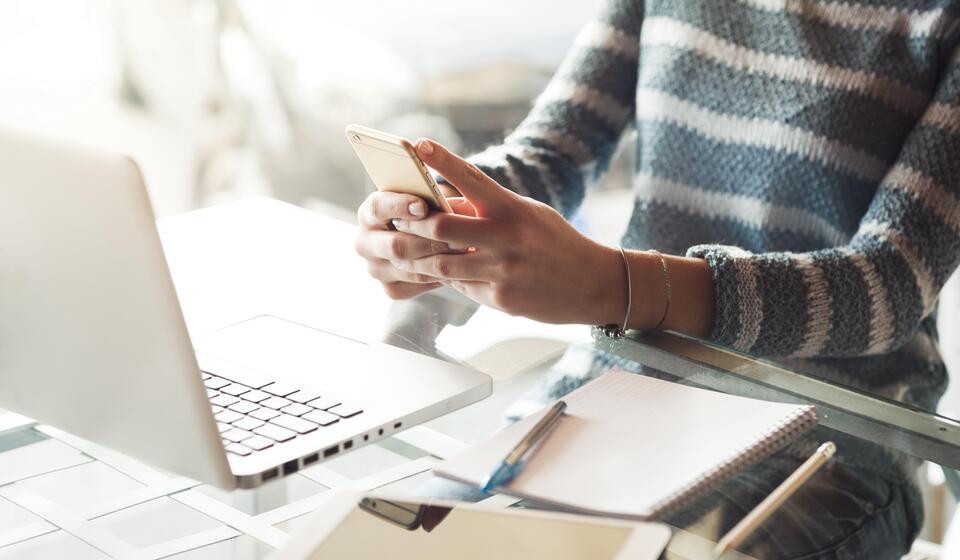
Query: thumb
{"points": [[486, 195]]}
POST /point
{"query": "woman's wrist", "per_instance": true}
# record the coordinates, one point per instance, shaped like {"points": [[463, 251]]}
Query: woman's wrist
{"points": [[649, 291], [683, 299], [609, 299], [694, 298], [691, 301], [691, 296], [606, 302]]}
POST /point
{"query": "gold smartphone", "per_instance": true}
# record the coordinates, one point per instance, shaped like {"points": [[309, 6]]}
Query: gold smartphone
{"points": [[393, 164]]}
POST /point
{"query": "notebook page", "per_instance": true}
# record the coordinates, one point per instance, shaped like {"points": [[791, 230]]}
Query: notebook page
{"points": [[629, 445]]}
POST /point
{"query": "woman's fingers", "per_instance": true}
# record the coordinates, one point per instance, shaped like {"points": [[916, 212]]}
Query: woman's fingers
{"points": [[397, 246], [422, 251], [463, 266], [403, 290], [455, 230], [387, 272], [381, 207], [483, 192], [477, 291]]}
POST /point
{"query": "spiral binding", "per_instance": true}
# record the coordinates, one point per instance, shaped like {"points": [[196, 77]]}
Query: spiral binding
{"points": [[786, 431]]}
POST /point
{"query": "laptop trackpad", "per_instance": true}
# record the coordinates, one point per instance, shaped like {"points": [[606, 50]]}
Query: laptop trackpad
{"points": [[285, 350]]}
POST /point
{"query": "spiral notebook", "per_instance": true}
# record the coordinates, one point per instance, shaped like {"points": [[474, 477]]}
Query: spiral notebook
{"points": [[637, 447]]}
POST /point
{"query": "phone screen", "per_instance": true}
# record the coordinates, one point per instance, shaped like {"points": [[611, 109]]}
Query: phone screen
{"points": [[378, 528]]}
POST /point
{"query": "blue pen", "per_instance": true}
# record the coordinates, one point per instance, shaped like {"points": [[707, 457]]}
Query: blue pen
{"points": [[512, 464]]}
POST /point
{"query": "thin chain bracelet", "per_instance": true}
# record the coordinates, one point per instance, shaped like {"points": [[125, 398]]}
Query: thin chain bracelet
{"points": [[666, 285]]}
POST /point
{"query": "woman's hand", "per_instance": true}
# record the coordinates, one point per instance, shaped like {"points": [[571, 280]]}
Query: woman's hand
{"points": [[524, 257], [381, 246]]}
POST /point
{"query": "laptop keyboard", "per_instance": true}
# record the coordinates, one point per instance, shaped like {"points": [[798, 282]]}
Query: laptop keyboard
{"points": [[255, 413]]}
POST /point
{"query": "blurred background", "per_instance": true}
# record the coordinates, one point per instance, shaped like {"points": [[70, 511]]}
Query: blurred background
{"points": [[220, 99]]}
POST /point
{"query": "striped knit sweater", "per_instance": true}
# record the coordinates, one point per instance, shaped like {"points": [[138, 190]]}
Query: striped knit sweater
{"points": [[809, 150]]}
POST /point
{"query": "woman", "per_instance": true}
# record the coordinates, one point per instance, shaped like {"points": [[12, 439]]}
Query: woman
{"points": [[802, 156]]}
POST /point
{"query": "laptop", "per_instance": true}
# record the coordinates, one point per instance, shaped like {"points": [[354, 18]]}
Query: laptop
{"points": [[93, 340]]}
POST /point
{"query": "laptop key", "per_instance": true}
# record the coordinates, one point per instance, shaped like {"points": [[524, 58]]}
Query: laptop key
{"points": [[258, 443], [247, 423], [303, 396], [275, 402], [224, 427], [324, 402], [298, 425], [248, 378], [216, 383], [255, 396], [296, 409], [322, 417], [223, 400], [238, 449], [345, 410], [228, 416], [264, 413], [205, 375], [281, 388], [276, 433], [235, 389], [216, 409], [236, 435], [211, 393], [243, 407]]}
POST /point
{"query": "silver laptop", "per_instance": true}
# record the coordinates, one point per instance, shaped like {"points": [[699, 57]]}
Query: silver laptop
{"points": [[93, 341]]}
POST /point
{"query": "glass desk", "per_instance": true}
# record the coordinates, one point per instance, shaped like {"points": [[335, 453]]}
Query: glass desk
{"points": [[63, 497]]}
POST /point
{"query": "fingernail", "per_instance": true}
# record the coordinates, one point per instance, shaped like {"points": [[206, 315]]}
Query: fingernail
{"points": [[417, 209], [425, 146], [399, 224]]}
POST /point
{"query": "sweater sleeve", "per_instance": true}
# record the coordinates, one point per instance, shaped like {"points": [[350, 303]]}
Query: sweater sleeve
{"points": [[870, 295], [569, 137]]}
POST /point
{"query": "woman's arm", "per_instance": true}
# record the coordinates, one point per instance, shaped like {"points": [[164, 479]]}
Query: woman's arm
{"points": [[863, 298], [528, 260], [869, 296], [866, 297]]}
